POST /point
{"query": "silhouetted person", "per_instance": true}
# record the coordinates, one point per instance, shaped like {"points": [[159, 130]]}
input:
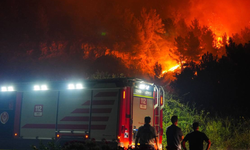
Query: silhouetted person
{"points": [[196, 139], [174, 135], [146, 136]]}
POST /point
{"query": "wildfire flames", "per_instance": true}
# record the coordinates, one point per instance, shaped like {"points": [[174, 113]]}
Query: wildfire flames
{"points": [[166, 54], [218, 42], [142, 39], [140, 33], [172, 68]]}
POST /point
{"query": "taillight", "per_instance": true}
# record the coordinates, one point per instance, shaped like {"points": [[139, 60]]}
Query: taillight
{"points": [[124, 94], [161, 100], [86, 136]]}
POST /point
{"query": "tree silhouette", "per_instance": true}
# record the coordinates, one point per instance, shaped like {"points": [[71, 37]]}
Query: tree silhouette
{"points": [[217, 85], [189, 47], [158, 70]]}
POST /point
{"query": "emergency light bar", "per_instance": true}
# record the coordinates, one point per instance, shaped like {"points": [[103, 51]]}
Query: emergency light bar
{"points": [[5, 89], [143, 86], [42, 87], [79, 86], [72, 86]]}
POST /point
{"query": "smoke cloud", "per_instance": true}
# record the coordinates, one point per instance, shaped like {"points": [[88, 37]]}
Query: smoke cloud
{"points": [[228, 16]]}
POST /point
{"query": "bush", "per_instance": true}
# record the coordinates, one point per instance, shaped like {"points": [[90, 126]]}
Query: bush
{"points": [[224, 133], [51, 146]]}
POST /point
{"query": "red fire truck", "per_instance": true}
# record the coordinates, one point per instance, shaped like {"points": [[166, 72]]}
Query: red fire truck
{"points": [[110, 109]]}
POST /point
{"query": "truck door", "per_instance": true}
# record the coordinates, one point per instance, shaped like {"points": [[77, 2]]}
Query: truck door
{"points": [[7, 103], [141, 107]]}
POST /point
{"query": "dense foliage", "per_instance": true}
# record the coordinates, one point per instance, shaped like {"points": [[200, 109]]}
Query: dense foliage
{"points": [[224, 133], [219, 86]]}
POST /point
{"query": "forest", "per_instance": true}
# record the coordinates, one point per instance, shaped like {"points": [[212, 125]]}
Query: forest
{"points": [[77, 37], [63, 39]]}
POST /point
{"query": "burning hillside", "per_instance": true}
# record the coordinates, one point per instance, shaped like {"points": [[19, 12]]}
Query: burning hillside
{"points": [[139, 33]]}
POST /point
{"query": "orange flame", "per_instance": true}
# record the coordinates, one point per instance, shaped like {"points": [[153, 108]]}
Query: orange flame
{"points": [[218, 42], [172, 69]]}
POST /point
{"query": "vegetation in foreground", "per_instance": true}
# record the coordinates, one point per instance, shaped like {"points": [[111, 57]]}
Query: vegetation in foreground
{"points": [[224, 133]]}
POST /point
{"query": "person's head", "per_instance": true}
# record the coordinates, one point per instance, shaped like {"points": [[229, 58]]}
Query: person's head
{"points": [[147, 119], [174, 119], [196, 126]]}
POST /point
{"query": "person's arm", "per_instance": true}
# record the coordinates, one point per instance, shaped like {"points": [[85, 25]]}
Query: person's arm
{"points": [[137, 137], [184, 140], [136, 141], [207, 140], [183, 143], [208, 144], [181, 135], [156, 141], [155, 137]]}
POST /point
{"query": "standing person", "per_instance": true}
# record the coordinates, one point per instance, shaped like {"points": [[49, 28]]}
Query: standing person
{"points": [[196, 139], [146, 136], [174, 135]]}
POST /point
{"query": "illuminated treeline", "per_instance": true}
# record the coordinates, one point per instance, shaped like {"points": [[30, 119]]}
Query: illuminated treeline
{"points": [[39, 36]]}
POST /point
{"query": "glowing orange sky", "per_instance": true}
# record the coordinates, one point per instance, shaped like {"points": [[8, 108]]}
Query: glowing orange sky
{"points": [[222, 16]]}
